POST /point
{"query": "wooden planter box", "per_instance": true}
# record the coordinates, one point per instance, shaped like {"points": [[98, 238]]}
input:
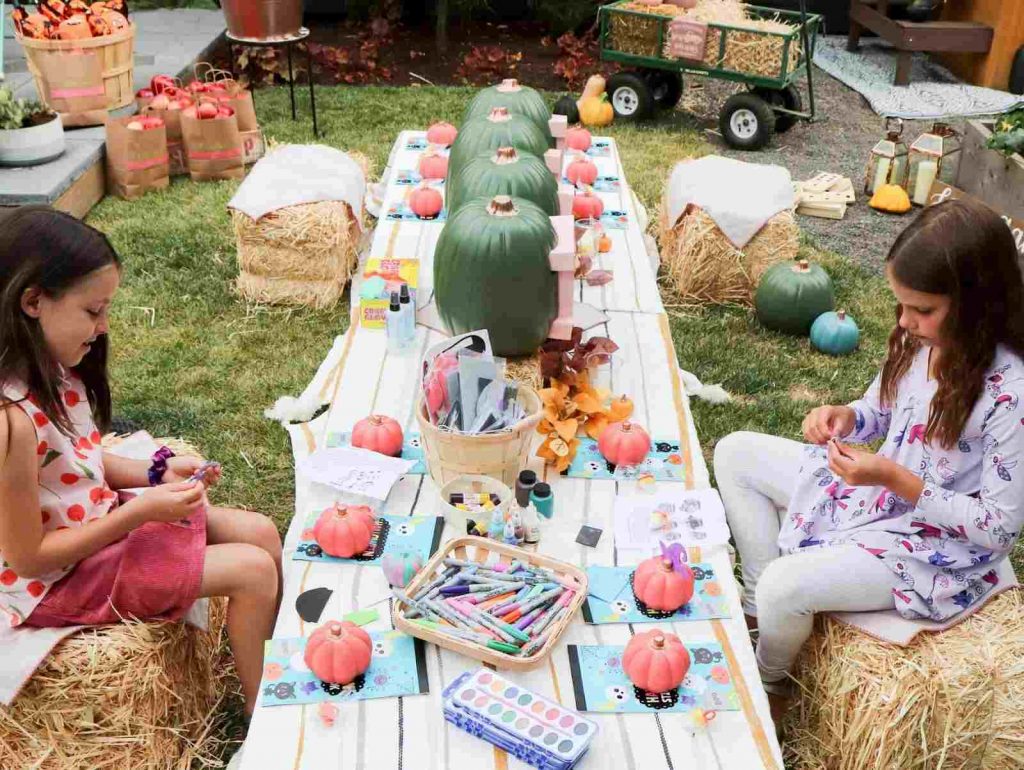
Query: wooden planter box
{"points": [[989, 175]]}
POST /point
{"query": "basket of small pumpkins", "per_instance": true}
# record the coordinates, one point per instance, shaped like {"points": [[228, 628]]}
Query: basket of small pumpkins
{"points": [[100, 28]]}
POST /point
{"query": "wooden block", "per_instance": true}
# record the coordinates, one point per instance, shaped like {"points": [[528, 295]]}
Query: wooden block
{"points": [[823, 210], [814, 198], [821, 181]]}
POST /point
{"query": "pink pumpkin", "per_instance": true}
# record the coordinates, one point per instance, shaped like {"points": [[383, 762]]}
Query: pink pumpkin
{"points": [[442, 133], [581, 172], [624, 443], [344, 530], [426, 202], [660, 587], [587, 205], [378, 433], [433, 165], [577, 139], [656, 661], [338, 652]]}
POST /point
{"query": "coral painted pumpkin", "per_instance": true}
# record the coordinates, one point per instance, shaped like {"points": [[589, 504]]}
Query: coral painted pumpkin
{"points": [[581, 172], [662, 586], [506, 171], [656, 661], [344, 530], [433, 165], [442, 133], [426, 202], [624, 443], [378, 433], [578, 138], [338, 652], [587, 205]]}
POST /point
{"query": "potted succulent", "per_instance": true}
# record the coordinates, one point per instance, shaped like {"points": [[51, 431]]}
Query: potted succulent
{"points": [[30, 133]]}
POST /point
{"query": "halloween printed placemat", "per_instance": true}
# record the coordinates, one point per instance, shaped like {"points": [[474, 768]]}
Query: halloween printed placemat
{"points": [[606, 184], [410, 177], [398, 667], [400, 212], [419, 143], [599, 148], [600, 684], [393, 534], [665, 462], [412, 449], [610, 598]]}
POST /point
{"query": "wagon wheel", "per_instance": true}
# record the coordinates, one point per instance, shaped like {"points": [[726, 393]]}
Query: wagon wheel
{"points": [[788, 98], [666, 87], [746, 122], [630, 95]]}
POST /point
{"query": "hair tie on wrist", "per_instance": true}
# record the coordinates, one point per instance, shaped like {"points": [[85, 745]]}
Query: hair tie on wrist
{"points": [[159, 466]]}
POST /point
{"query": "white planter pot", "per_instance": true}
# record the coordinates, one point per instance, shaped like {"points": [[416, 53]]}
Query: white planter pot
{"points": [[31, 146]]}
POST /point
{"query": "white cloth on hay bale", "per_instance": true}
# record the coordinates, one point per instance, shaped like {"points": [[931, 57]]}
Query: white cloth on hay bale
{"points": [[293, 174], [740, 197]]}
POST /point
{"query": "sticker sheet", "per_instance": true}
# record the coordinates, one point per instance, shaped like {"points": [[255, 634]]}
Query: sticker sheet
{"points": [[412, 449], [600, 684], [664, 463], [398, 667], [393, 534], [610, 598]]}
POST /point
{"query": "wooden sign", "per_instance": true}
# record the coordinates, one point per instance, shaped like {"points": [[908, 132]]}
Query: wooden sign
{"points": [[943, 192], [687, 39]]}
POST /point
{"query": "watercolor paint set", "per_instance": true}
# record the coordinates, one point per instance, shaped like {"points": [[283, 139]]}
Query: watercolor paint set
{"points": [[530, 727]]}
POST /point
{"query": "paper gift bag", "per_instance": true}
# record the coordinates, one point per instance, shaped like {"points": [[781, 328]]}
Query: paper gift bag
{"points": [[136, 160], [73, 86], [171, 119], [241, 102], [213, 148]]}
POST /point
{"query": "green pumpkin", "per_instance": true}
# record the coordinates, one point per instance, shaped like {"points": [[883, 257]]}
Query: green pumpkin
{"points": [[492, 271], [499, 128], [519, 99], [791, 295], [835, 333], [566, 105], [505, 172]]}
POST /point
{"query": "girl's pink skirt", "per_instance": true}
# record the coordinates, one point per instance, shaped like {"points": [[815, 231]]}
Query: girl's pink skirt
{"points": [[153, 573]]}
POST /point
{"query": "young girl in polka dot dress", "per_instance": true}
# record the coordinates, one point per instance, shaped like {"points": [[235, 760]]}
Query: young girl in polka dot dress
{"points": [[70, 553]]}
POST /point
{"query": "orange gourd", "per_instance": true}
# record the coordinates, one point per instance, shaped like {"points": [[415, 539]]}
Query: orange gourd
{"points": [[621, 408], [338, 652], [890, 198], [596, 111], [656, 661], [344, 531]]}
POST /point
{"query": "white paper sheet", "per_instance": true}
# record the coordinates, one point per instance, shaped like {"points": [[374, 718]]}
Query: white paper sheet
{"points": [[694, 517], [357, 472]]}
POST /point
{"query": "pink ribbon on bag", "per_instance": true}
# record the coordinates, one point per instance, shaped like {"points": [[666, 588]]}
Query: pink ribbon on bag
{"points": [[71, 93], [139, 165], [235, 152]]}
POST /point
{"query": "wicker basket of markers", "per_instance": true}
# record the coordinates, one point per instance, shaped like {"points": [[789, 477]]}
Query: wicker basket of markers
{"points": [[486, 627]]}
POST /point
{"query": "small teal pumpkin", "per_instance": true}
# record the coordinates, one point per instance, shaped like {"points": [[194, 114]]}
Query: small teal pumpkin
{"points": [[835, 333], [399, 568]]}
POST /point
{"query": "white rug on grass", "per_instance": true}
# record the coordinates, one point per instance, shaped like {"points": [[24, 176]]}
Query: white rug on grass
{"points": [[934, 92]]}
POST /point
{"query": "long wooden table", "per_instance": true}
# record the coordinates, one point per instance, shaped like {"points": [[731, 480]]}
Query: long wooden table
{"points": [[359, 376]]}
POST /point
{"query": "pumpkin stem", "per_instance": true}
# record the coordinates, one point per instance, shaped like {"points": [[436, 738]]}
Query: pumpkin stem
{"points": [[502, 206], [666, 565], [376, 419], [658, 643], [627, 426], [505, 155], [802, 266], [509, 84], [336, 630], [841, 315], [499, 115]]}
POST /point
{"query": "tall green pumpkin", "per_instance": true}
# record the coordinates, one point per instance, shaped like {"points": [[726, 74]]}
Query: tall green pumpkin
{"points": [[492, 271], [519, 99], [505, 172], [499, 128], [791, 295]]}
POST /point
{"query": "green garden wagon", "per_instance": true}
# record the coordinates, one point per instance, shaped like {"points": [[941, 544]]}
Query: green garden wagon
{"points": [[768, 62]]}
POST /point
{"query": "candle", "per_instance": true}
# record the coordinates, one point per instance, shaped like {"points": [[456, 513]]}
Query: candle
{"points": [[926, 171], [881, 174]]}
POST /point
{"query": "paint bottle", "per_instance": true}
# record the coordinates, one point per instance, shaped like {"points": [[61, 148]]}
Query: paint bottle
{"points": [[408, 315], [531, 524], [393, 324], [496, 530], [509, 536], [542, 499], [524, 485], [516, 517]]}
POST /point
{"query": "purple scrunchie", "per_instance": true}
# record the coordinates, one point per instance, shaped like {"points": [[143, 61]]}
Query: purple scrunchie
{"points": [[159, 466]]}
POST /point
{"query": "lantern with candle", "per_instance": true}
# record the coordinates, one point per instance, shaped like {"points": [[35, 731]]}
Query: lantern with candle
{"points": [[934, 155], [888, 161]]}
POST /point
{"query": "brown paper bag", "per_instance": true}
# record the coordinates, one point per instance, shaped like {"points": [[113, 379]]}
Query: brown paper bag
{"points": [[171, 119], [137, 161], [241, 102], [213, 148], [176, 153], [73, 85]]}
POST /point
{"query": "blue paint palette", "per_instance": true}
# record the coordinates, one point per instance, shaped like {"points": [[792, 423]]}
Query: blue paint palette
{"points": [[530, 727]]}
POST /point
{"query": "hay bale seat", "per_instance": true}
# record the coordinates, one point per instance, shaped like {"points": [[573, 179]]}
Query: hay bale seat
{"points": [[949, 700], [136, 695], [298, 255], [703, 267]]}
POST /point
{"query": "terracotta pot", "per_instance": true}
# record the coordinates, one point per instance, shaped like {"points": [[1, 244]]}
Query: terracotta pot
{"points": [[262, 19]]}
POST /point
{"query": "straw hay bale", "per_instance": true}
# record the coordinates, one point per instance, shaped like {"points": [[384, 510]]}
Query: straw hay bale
{"points": [[297, 255], [950, 700], [135, 695], [703, 266]]}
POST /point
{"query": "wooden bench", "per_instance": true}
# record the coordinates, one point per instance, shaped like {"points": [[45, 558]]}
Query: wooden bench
{"points": [[908, 36]]}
